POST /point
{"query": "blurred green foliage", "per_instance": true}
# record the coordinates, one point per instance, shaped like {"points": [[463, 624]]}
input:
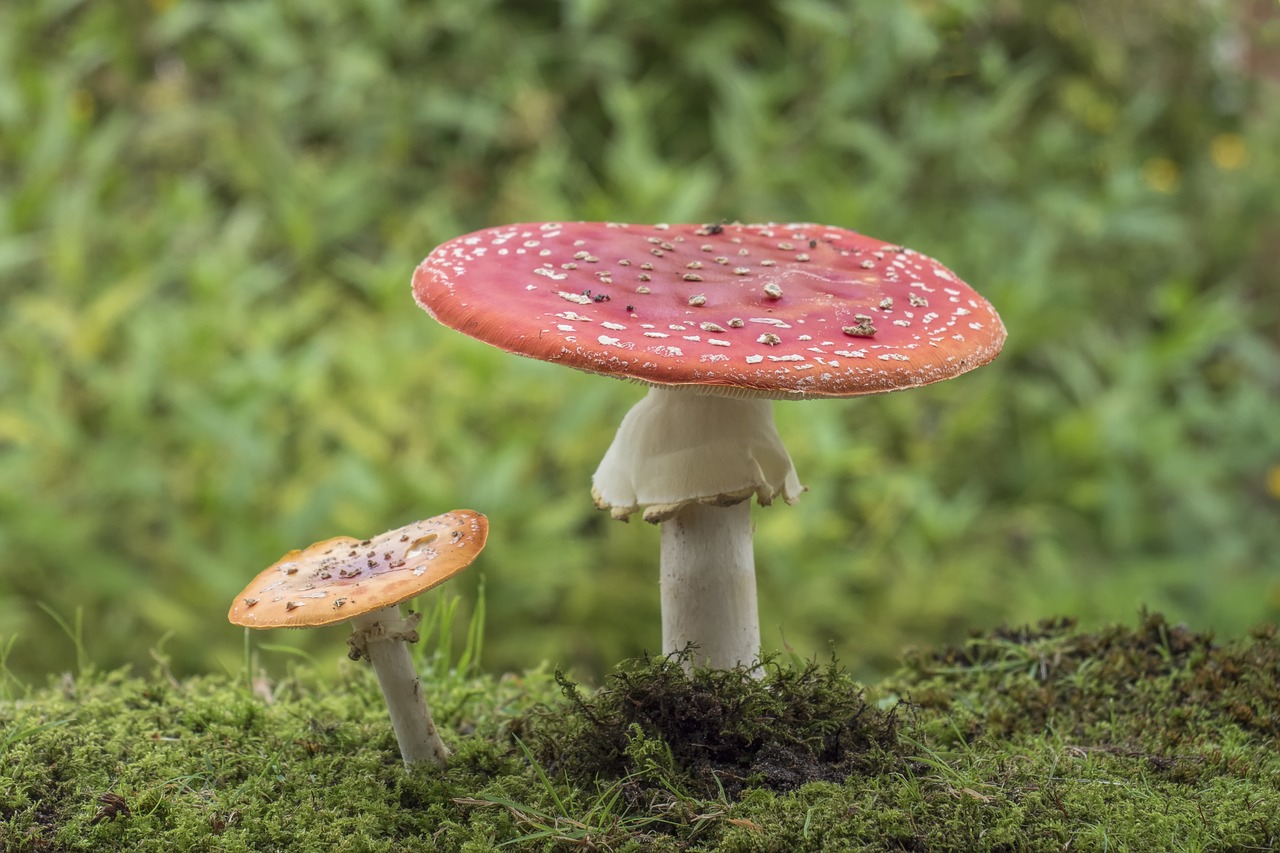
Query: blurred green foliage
{"points": [[210, 211]]}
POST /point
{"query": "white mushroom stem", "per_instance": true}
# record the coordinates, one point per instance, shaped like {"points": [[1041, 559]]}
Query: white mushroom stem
{"points": [[382, 636], [709, 585], [692, 462]]}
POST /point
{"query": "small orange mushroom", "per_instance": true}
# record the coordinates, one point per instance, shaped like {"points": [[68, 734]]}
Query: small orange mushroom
{"points": [[363, 582]]}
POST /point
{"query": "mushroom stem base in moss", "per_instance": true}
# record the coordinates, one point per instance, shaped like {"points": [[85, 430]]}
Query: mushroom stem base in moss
{"points": [[383, 636], [709, 585], [692, 461]]}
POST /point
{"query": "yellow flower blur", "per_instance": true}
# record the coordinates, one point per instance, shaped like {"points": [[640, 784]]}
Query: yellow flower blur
{"points": [[1228, 151], [1161, 174], [1273, 482]]}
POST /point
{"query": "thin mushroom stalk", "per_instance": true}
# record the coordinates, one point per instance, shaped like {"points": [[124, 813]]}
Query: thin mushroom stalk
{"points": [[692, 462], [383, 638], [708, 585]]}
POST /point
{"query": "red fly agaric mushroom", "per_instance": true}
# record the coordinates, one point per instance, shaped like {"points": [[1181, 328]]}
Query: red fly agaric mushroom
{"points": [[363, 582], [718, 320]]}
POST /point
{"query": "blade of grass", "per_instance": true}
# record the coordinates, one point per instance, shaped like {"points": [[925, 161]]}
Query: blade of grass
{"points": [[16, 735], [289, 650], [469, 660], [7, 676], [75, 634]]}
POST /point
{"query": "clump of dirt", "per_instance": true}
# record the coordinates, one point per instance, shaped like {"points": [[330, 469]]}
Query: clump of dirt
{"points": [[1153, 688], [1151, 649], [719, 730]]}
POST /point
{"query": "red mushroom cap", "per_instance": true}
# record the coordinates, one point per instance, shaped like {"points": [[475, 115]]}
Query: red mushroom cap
{"points": [[797, 310]]}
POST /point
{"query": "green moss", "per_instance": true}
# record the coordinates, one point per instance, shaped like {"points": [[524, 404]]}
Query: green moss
{"points": [[1150, 737], [1173, 696], [209, 763]]}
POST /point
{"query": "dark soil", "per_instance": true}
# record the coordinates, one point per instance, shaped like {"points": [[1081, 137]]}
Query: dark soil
{"points": [[720, 731]]}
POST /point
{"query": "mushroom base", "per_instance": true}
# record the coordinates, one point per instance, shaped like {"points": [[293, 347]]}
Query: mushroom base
{"points": [[382, 637], [709, 586]]}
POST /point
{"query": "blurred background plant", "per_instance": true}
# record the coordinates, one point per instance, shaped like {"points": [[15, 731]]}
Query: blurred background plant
{"points": [[210, 211]]}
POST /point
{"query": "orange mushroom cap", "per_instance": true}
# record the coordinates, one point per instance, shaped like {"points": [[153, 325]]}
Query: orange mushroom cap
{"points": [[337, 579]]}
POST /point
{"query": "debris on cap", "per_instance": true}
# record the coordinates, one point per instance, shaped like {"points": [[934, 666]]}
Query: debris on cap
{"points": [[337, 579]]}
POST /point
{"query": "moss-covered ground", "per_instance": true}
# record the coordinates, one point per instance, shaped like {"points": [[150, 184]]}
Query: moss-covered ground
{"points": [[1143, 737]]}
